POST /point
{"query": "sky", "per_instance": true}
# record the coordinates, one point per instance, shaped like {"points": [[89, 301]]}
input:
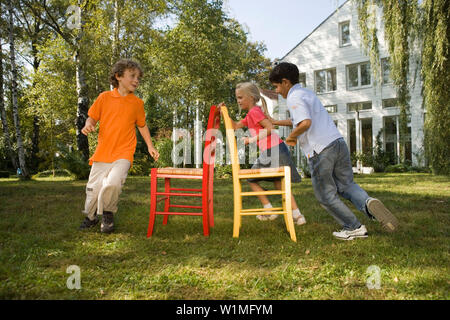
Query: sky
{"points": [[280, 24]]}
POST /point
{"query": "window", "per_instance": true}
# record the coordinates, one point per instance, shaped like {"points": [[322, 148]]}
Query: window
{"points": [[351, 127], [390, 136], [385, 70], [357, 106], [389, 103], [331, 109], [303, 80], [344, 33], [325, 80], [366, 135], [358, 75]]}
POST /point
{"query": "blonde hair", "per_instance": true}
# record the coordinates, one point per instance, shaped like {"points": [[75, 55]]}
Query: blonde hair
{"points": [[252, 90]]}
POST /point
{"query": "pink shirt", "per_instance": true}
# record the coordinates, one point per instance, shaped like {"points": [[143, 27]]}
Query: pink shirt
{"points": [[252, 120]]}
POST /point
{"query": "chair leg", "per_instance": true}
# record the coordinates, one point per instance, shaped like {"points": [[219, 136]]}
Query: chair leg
{"points": [[211, 198], [205, 213], [237, 208], [167, 201], [153, 190], [287, 203]]}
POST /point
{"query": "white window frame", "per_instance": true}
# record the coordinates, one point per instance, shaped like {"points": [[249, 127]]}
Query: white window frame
{"points": [[326, 80], [391, 99], [360, 103], [334, 106], [359, 64], [341, 44]]}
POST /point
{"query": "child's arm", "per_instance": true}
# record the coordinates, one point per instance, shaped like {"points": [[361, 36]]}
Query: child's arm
{"points": [[268, 127], [89, 126], [286, 123], [237, 125], [145, 133], [301, 127]]}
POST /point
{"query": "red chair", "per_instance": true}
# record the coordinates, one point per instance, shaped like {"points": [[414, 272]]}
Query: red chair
{"points": [[206, 174]]}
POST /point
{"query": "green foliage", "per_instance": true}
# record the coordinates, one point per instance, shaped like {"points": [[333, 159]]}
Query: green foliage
{"points": [[436, 78], [72, 160], [164, 147], [381, 158], [410, 25], [190, 50], [223, 172], [142, 165], [4, 174], [53, 173]]}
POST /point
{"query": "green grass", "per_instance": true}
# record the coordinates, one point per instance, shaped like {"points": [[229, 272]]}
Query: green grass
{"points": [[39, 240]]}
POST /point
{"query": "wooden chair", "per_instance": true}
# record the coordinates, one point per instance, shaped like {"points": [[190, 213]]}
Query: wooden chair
{"points": [[206, 174], [283, 172]]}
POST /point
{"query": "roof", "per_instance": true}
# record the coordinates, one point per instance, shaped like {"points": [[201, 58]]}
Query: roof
{"points": [[269, 93], [314, 30]]}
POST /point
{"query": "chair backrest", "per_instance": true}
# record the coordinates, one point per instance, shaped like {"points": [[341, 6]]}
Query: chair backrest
{"points": [[231, 142], [209, 153]]}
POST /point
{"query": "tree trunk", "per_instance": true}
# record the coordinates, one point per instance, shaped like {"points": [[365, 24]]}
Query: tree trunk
{"points": [[83, 107], [82, 93], [36, 120], [3, 114], [15, 105]]}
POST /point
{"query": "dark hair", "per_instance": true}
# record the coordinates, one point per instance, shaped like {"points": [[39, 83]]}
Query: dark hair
{"points": [[119, 69], [285, 70]]}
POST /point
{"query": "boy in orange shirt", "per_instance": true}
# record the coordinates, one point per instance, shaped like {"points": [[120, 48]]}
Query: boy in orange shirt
{"points": [[118, 112]]}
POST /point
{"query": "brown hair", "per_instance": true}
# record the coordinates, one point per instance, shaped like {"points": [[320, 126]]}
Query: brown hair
{"points": [[119, 69]]}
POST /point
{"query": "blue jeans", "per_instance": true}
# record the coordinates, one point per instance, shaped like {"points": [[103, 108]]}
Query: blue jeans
{"points": [[332, 176]]}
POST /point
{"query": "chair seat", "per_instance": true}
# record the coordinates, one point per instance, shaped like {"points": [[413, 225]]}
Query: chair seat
{"points": [[181, 171], [261, 173], [261, 170]]}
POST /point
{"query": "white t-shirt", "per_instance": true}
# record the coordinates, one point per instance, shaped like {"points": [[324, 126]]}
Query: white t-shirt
{"points": [[303, 104]]}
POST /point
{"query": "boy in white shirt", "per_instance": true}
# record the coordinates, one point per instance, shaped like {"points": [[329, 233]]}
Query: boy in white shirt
{"points": [[328, 156]]}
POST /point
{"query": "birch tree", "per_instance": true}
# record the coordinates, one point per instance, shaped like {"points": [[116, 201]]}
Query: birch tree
{"points": [[15, 107]]}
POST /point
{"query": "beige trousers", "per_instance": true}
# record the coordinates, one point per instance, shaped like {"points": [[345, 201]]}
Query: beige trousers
{"points": [[104, 187]]}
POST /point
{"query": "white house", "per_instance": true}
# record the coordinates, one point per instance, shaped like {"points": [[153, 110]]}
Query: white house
{"points": [[271, 98], [332, 63]]}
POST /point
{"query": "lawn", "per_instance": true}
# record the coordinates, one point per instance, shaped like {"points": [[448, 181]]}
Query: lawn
{"points": [[39, 240]]}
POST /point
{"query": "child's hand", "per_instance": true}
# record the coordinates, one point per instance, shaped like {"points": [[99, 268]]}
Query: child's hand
{"points": [[154, 153], [291, 141], [246, 140], [88, 128]]}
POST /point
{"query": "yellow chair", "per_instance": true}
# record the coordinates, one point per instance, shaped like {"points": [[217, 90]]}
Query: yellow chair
{"points": [[283, 172]]}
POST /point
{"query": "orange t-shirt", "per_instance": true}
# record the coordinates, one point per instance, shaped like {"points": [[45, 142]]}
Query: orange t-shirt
{"points": [[118, 116]]}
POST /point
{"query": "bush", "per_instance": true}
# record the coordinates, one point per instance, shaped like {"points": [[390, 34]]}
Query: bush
{"points": [[56, 172], [74, 162], [142, 165], [367, 159], [304, 168], [397, 168], [164, 147], [223, 172], [4, 174]]}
